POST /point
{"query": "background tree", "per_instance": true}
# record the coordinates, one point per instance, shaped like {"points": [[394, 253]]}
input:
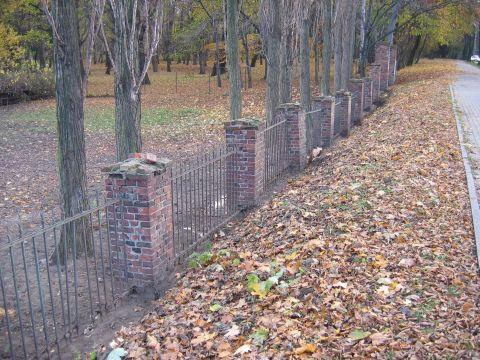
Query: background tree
{"points": [[327, 45], [271, 39], [233, 59], [130, 18], [71, 79]]}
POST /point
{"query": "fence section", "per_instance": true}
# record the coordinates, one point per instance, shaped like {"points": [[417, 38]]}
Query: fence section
{"points": [[203, 197], [276, 155], [55, 281]]}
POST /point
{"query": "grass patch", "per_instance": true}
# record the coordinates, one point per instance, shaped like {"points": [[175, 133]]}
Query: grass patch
{"points": [[97, 118]]}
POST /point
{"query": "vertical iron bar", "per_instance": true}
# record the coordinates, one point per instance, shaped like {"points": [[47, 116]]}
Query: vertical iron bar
{"points": [[95, 253], [85, 250], [102, 260], [75, 279], [189, 184], [7, 319], [42, 219], [67, 286], [109, 243], [58, 274], [32, 320], [40, 295], [195, 205], [17, 298]]}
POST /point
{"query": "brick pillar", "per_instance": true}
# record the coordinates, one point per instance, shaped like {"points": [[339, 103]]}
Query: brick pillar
{"points": [[141, 224], [296, 134], [367, 95], [326, 115], [343, 112], [382, 57], [356, 88], [375, 75], [247, 137], [393, 65]]}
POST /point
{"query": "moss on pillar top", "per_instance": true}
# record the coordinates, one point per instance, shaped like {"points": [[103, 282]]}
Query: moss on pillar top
{"points": [[244, 123], [136, 167]]}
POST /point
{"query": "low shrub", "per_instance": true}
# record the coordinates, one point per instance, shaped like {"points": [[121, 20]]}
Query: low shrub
{"points": [[27, 84]]}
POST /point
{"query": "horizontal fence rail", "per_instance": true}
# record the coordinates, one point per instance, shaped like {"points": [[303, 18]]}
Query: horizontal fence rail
{"points": [[203, 198], [55, 281], [276, 161]]}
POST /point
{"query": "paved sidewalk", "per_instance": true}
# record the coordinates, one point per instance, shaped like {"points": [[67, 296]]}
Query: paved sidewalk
{"points": [[466, 92]]}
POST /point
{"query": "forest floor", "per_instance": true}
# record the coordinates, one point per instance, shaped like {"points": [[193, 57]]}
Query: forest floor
{"points": [[177, 121], [369, 253]]}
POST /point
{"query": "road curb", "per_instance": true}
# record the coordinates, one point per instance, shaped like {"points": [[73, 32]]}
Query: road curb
{"points": [[472, 192]]}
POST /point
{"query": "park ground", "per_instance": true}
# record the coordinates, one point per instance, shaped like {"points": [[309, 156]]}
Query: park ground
{"points": [[368, 253]]}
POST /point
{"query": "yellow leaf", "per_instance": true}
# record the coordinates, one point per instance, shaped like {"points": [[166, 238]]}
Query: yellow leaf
{"points": [[306, 349]]}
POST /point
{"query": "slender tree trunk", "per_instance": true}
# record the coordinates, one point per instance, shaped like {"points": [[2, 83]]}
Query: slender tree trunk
{"points": [[71, 159], [286, 54], [393, 21], [347, 34], [273, 34], [305, 94], [338, 45], [142, 51], [327, 45], [247, 60], [202, 55], [411, 58], [217, 53], [127, 103], [352, 34], [233, 60], [317, 62], [476, 41], [363, 22], [167, 34]]}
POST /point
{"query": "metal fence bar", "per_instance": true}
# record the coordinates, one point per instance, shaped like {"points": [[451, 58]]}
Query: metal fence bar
{"points": [[45, 293]]}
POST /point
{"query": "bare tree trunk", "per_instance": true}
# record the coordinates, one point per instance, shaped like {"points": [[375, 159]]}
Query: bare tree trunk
{"points": [[286, 53], [167, 34], [247, 60], [476, 41], [233, 60], [339, 14], [327, 45], [202, 61], [305, 94], [347, 35], [272, 35], [127, 102], [71, 158], [363, 20], [393, 21], [217, 53], [352, 33]]}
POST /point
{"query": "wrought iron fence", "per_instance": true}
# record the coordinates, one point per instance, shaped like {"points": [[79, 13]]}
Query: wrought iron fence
{"points": [[313, 127], [276, 161], [55, 281], [203, 197]]}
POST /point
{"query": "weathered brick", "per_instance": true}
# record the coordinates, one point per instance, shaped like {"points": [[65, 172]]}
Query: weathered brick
{"points": [[141, 225], [382, 57], [343, 112]]}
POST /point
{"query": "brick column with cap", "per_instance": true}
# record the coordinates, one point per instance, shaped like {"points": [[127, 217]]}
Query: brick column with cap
{"points": [[140, 225], [382, 57], [296, 134], [356, 88], [246, 169], [367, 94], [343, 112], [393, 65], [326, 115], [375, 75]]}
